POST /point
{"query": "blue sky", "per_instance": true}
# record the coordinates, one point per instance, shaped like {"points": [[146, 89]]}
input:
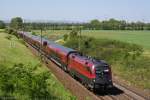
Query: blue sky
{"points": [[76, 10]]}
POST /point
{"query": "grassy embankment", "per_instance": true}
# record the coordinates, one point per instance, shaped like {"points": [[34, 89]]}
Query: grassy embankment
{"points": [[16, 78]]}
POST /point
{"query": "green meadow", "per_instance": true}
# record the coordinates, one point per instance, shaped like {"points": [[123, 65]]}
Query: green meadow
{"points": [[137, 37]]}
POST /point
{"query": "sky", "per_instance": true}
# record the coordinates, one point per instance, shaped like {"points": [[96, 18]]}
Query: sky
{"points": [[76, 10]]}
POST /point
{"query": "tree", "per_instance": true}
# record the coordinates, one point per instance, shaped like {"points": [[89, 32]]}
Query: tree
{"points": [[2, 24], [122, 25], [113, 24], [16, 23], [140, 25], [148, 26], [73, 33], [95, 24]]}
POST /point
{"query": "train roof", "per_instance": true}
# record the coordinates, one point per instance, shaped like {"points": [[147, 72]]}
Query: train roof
{"points": [[63, 49], [51, 43]]}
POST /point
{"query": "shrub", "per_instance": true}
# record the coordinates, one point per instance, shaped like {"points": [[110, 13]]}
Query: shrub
{"points": [[65, 37], [105, 49], [9, 37], [12, 32], [22, 80], [9, 31], [34, 33]]}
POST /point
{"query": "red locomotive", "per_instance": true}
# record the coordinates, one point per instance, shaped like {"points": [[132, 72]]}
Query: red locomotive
{"points": [[91, 72]]}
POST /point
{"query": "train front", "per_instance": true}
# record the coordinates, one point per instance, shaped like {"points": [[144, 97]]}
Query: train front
{"points": [[103, 75]]}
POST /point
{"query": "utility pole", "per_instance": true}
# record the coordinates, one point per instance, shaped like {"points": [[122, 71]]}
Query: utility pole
{"points": [[23, 26], [79, 38], [41, 43], [23, 31]]}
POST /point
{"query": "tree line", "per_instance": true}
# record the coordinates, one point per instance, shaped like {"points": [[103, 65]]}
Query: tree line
{"points": [[111, 24]]}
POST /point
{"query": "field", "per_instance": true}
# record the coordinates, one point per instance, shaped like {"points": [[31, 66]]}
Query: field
{"points": [[141, 38], [13, 52], [137, 37]]}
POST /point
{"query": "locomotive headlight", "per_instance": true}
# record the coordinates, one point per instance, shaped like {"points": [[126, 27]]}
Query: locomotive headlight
{"points": [[106, 70], [93, 68], [94, 80]]}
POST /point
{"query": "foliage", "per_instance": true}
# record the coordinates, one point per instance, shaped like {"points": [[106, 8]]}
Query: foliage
{"points": [[9, 37], [16, 23], [65, 37], [95, 24], [73, 34], [33, 33], [2, 24], [20, 79], [11, 31], [106, 48]]}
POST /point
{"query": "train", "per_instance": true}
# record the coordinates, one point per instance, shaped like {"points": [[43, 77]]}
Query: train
{"points": [[93, 73]]}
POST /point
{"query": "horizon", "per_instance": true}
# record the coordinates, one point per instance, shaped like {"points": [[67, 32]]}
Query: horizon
{"points": [[68, 21], [75, 11]]}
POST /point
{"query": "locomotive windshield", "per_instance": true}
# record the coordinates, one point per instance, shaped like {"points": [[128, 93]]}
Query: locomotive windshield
{"points": [[102, 70]]}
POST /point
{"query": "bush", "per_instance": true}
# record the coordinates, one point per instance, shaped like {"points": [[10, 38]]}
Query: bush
{"points": [[22, 80], [9, 37], [12, 32], [65, 37], [8, 30], [110, 50], [34, 33]]}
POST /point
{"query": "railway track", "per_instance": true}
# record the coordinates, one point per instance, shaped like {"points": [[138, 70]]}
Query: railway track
{"points": [[131, 93], [119, 92]]}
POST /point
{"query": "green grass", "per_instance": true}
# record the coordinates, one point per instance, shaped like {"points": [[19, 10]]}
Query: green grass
{"points": [[53, 31], [137, 37], [141, 38], [14, 52], [52, 34], [2, 30]]}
